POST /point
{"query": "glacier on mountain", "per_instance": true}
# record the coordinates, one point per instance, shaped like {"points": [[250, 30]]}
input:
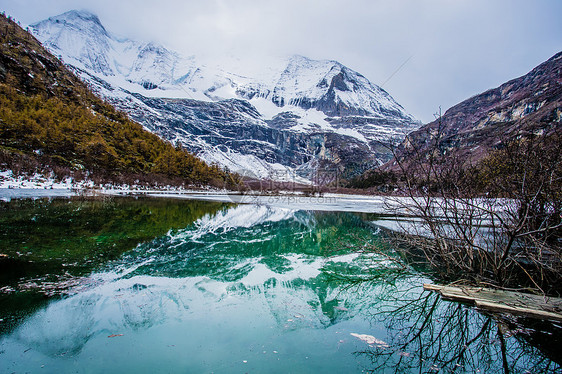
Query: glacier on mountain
{"points": [[297, 116]]}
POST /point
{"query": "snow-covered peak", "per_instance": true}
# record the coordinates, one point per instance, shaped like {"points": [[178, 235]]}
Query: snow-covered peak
{"points": [[78, 36], [152, 70], [82, 41], [153, 65], [324, 85], [79, 19], [304, 77]]}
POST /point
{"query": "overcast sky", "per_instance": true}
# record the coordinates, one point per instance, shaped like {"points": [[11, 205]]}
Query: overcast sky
{"points": [[425, 53]]}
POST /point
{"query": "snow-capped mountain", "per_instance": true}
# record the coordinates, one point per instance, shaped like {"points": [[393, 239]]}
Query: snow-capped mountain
{"points": [[300, 114], [327, 86], [83, 42]]}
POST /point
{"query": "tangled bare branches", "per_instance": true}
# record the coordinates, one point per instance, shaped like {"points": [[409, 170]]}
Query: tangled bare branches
{"points": [[498, 221]]}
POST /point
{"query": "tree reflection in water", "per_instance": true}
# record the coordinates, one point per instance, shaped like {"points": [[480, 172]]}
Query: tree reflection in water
{"points": [[428, 335]]}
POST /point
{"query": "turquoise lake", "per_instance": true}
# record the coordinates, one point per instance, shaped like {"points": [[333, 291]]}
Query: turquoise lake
{"points": [[125, 285]]}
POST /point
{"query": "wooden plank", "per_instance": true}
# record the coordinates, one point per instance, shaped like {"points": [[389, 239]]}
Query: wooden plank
{"points": [[432, 287], [527, 312], [456, 295], [529, 305]]}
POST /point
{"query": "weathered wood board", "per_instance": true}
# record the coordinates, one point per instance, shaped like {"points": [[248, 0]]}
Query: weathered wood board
{"points": [[529, 305]]}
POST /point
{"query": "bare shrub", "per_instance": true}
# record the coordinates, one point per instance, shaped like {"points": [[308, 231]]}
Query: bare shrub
{"points": [[498, 221]]}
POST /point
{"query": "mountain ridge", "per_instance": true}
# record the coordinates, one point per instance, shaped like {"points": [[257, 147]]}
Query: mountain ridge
{"points": [[528, 105], [316, 98]]}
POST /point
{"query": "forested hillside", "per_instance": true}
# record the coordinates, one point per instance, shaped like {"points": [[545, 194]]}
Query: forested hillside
{"points": [[51, 122]]}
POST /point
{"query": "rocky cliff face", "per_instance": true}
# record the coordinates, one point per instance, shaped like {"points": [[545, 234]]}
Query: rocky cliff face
{"points": [[298, 116], [232, 133], [528, 104]]}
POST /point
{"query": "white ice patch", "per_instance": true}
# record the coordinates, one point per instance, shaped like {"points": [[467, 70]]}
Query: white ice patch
{"points": [[371, 340]]}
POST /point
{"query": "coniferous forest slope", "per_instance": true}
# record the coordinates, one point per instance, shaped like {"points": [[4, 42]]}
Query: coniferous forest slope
{"points": [[51, 122]]}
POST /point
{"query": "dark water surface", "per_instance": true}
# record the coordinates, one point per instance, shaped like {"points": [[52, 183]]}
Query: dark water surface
{"points": [[171, 286]]}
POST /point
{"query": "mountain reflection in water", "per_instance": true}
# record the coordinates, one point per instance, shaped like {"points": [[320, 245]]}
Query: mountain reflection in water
{"points": [[260, 289]]}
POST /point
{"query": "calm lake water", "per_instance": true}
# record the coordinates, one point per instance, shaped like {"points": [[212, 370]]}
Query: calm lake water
{"points": [[129, 285]]}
